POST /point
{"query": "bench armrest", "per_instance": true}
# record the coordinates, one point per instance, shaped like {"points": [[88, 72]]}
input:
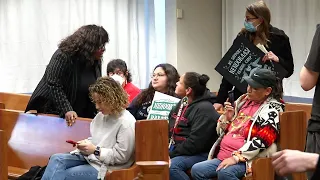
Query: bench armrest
{"points": [[129, 173], [262, 169]]}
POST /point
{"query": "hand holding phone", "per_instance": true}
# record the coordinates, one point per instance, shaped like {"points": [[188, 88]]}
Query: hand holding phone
{"points": [[231, 96], [72, 142]]}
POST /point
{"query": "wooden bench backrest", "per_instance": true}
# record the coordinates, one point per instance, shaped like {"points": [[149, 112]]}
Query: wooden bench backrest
{"points": [[293, 130], [14, 101], [299, 106], [152, 140], [3, 156], [33, 139], [2, 106]]}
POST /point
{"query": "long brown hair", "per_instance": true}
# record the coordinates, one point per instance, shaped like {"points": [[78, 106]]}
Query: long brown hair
{"points": [[172, 78], [260, 10]]}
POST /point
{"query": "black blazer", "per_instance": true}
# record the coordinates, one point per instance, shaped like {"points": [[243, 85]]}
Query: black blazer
{"points": [[279, 44], [57, 90]]}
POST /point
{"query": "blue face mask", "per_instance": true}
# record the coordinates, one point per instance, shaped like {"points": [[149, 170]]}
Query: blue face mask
{"points": [[249, 26]]}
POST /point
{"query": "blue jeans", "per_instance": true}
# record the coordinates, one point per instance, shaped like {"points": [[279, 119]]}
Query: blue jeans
{"points": [[207, 170], [180, 164], [69, 167]]}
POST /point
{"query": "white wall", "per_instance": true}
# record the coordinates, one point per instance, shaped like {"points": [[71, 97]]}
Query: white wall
{"points": [[194, 42]]}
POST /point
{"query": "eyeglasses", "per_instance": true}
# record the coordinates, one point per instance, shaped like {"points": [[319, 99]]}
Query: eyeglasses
{"points": [[157, 75], [249, 19]]}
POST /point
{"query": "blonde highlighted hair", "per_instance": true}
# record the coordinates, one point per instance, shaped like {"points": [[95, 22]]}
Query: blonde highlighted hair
{"points": [[111, 94]]}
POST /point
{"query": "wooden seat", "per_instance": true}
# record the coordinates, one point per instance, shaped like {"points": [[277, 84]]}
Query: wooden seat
{"points": [[2, 106], [14, 101], [33, 139], [153, 170], [300, 107], [151, 139], [3, 156]]}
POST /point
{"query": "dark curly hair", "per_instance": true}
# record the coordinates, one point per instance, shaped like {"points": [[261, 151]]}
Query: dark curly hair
{"points": [[85, 41], [122, 66], [172, 78]]}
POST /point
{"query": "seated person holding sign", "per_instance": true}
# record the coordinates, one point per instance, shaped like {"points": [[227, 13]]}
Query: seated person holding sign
{"points": [[258, 30], [247, 131], [163, 79], [111, 145], [191, 124]]}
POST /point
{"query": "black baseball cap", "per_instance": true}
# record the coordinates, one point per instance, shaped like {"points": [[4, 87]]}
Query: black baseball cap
{"points": [[261, 78]]}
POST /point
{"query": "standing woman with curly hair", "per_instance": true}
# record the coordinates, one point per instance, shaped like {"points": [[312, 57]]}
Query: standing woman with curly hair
{"points": [[63, 90], [163, 79], [111, 144]]}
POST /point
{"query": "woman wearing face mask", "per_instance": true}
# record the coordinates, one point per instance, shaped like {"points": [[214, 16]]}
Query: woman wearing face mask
{"points": [[117, 69], [258, 30], [76, 64], [163, 79]]}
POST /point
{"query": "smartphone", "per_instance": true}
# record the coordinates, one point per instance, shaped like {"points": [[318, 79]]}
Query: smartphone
{"points": [[231, 96], [72, 142]]}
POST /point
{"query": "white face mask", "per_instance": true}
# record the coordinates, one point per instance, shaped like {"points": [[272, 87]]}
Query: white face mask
{"points": [[118, 78]]}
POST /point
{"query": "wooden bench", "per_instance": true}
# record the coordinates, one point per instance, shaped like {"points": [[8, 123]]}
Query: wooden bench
{"points": [[293, 125], [299, 106], [293, 129], [2, 106], [151, 145], [33, 139], [3, 156], [14, 101]]}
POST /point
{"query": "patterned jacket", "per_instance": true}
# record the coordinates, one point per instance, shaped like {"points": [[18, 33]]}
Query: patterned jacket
{"points": [[262, 135]]}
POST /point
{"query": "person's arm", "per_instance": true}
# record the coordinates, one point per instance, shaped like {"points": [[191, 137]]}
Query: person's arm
{"points": [[293, 161], [121, 152], [286, 59], [264, 137], [310, 72], [56, 71], [201, 131], [308, 78]]}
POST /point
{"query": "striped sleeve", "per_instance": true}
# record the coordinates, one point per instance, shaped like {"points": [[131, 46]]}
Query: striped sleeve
{"points": [[56, 71]]}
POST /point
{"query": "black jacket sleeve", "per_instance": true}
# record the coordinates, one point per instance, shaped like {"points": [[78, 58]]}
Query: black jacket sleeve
{"points": [[56, 71], [202, 130], [225, 86], [132, 108], [279, 44], [285, 57]]}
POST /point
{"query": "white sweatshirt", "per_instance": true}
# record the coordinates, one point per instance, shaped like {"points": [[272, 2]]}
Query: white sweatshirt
{"points": [[116, 138]]}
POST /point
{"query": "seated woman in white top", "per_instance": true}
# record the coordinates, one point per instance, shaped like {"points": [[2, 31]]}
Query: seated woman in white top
{"points": [[111, 145]]}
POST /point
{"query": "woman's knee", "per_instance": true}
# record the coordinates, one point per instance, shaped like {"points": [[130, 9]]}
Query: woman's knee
{"points": [[197, 171], [225, 174], [58, 157]]}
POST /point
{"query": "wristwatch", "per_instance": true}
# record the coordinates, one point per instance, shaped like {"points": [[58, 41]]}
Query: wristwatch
{"points": [[97, 151]]}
